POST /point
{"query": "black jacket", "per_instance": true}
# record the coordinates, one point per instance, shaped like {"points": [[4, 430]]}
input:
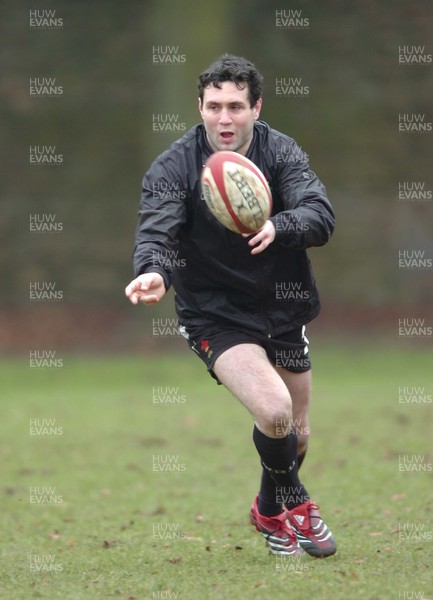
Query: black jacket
{"points": [[214, 275]]}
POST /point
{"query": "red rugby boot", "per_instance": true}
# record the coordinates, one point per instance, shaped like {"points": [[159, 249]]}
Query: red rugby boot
{"points": [[277, 532], [312, 532]]}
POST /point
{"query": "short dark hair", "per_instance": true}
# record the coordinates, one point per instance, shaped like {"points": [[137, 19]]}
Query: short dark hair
{"points": [[232, 68]]}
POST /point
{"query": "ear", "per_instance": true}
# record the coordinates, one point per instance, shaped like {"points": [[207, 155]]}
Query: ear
{"points": [[257, 108], [200, 107]]}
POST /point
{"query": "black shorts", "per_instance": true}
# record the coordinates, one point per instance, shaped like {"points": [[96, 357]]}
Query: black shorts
{"points": [[287, 350]]}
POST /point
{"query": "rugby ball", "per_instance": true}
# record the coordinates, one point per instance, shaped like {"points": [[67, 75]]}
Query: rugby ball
{"points": [[236, 191]]}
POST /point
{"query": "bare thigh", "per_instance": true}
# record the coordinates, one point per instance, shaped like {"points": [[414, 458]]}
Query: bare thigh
{"points": [[247, 372]]}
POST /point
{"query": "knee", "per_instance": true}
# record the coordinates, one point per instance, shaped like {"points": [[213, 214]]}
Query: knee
{"points": [[276, 419]]}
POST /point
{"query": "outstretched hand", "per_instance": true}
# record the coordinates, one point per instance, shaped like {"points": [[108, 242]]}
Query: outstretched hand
{"points": [[148, 289]]}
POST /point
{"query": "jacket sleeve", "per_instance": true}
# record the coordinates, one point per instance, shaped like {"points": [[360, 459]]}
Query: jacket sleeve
{"points": [[162, 211], [307, 218]]}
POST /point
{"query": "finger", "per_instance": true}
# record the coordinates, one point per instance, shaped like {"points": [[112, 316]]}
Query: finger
{"points": [[133, 287], [133, 298], [255, 240], [149, 299], [129, 289], [260, 248]]}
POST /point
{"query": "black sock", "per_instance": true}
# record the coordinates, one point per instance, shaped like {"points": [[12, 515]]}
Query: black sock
{"points": [[301, 458], [279, 460], [268, 504]]}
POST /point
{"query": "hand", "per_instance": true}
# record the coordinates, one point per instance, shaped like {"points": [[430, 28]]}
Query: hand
{"points": [[265, 236], [148, 289]]}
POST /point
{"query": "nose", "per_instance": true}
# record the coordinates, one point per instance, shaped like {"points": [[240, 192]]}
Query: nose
{"points": [[225, 117]]}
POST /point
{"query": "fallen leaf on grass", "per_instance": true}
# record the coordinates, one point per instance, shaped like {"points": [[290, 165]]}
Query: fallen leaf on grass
{"points": [[26, 471], [190, 538], [213, 442], [152, 441], [354, 440], [108, 543], [398, 496], [159, 510], [358, 561], [132, 467], [199, 518], [190, 421], [402, 419], [375, 533], [175, 560], [54, 535]]}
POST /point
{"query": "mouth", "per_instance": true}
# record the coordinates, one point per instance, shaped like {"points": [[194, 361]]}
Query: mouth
{"points": [[226, 136]]}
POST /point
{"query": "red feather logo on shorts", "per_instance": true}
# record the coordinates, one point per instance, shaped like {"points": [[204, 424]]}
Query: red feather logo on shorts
{"points": [[204, 345]]}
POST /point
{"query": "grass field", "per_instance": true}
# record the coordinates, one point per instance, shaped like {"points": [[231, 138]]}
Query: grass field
{"points": [[87, 514]]}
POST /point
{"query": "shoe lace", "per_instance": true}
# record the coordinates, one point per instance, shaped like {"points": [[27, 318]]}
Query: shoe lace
{"points": [[306, 527], [282, 525]]}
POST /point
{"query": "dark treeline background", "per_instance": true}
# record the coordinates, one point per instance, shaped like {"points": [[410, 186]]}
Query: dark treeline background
{"points": [[102, 125]]}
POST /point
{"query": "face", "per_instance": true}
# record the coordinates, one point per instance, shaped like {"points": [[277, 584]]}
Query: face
{"points": [[228, 117]]}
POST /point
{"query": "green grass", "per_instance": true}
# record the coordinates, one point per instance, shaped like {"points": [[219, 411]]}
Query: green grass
{"points": [[100, 535]]}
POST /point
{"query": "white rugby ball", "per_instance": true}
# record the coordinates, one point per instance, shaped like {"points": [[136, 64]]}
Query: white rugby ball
{"points": [[236, 192]]}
